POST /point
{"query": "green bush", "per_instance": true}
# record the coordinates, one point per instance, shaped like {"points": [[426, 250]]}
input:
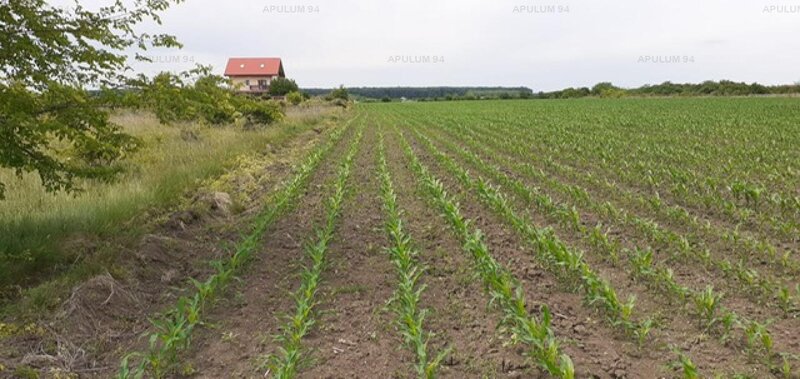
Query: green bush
{"points": [[282, 86], [294, 97], [259, 111]]}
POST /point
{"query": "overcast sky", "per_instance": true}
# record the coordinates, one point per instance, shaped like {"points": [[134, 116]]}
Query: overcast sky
{"points": [[542, 45]]}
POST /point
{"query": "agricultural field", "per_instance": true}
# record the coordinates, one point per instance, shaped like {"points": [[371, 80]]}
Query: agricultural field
{"points": [[607, 238]]}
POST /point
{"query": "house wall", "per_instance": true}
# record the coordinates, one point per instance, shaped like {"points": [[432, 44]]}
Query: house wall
{"points": [[240, 81]]}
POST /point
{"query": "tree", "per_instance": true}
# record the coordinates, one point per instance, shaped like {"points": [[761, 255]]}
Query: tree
{"points": [[49, 122], [281, 86], [198, 95]]}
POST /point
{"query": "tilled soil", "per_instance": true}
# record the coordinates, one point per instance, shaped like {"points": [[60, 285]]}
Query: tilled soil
{"points": [[356, 332], [243, 325], [672, 327], [676, 326]]}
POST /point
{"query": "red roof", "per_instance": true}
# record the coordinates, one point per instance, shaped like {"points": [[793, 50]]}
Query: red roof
{"points": [[254, 67]]}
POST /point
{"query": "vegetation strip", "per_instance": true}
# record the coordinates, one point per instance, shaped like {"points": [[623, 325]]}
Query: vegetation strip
{"points": [[174, 328], [550, 249], [408, 293], [713, 315], [506, 293], [756, 284], [285, 364], [744, 241], [703, 186]]}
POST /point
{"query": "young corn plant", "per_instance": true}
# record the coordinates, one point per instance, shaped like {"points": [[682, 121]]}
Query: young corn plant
{"points": [[759, 338], [549, 247], [706, 304], [284, 364], [661, 278], [407, 295], [688, 368], [174, 329], [503, 288]]}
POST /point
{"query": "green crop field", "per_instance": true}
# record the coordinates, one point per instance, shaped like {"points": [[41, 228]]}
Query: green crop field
{"points": [[508, 238]]}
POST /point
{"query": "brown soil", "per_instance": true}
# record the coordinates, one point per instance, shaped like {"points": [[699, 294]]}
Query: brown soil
{"points": [[673, 327], [687, 273], [356, 334], [244, 324]]}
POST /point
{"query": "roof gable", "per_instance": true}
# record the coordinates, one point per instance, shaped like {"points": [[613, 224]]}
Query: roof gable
{"points": [[254, 67]]}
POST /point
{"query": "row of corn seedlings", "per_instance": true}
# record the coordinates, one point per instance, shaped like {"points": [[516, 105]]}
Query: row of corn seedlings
{"points": [[407, 295], [707, 304], [662, 173], [549, 248], [747, 277], [173, 329], [506, 293], [786, 229], [284, 364], [758, 284]]}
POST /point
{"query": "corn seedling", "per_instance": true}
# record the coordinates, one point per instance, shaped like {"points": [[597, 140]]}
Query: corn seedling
{"points": [[174, 329], [505, 293], [408, 292], [284, 364]]}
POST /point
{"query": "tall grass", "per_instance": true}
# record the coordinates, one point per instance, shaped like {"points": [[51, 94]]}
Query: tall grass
{"points": [[40, 232]]}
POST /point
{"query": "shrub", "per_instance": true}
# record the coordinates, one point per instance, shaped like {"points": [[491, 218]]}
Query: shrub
{"points": [[282, 86], [259, 111], [294, 97]]}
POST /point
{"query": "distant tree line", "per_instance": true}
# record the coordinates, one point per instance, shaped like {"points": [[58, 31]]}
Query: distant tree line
{"points": [[707, 88], [603, 89], [418, 93]]}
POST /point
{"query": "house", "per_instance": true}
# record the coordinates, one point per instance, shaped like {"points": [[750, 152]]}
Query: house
{"points": [[252, 75]]}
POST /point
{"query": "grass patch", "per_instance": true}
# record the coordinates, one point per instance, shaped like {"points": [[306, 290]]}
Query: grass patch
{"points": [[60, 239]]}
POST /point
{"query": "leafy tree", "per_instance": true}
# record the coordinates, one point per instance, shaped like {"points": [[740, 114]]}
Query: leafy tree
{"points": [[198, 95], [281, 86], [49, 122]]}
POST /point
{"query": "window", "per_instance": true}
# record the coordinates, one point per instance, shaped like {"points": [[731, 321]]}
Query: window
{"points": [[247, 82]]}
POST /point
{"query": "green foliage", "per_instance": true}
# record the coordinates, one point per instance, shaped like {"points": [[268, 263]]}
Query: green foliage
{"points": [[294, 97], [198, 95], [61, 133], [49, 122], [281, 86]]}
